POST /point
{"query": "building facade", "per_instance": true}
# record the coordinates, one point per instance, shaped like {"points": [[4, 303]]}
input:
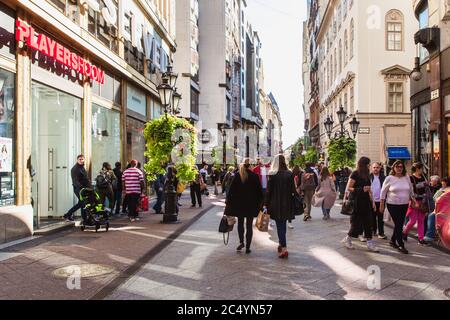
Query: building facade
{"points": [[430, 90], [75, 78], [364, 50]]}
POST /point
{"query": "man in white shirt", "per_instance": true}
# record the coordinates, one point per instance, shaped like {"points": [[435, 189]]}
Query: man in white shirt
{"points": [[377, 179]]}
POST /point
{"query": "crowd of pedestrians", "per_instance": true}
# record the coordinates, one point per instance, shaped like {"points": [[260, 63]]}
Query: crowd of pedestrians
{"points": [[272, 188]]}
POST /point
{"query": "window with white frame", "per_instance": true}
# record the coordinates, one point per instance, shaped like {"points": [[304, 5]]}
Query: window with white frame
{"points": [[395, 97], [394, 31]]}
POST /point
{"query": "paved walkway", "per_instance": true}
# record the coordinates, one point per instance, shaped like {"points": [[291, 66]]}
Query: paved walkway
{"points": [[27, 269], [197, 265]]}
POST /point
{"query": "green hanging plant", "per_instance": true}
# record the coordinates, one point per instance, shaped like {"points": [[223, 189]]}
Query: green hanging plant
{"points": [[341, 153], [170, 139]]}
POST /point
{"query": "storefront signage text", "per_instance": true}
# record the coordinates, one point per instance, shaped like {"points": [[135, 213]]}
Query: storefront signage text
{"points": [[53, 49]]}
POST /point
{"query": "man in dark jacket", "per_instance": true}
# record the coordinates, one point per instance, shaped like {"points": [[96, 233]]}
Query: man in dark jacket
{"points": [[118, 190], [80, 180], [377, 180]]}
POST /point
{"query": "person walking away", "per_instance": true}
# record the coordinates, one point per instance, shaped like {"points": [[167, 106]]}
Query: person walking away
{"points": [[415, 211], [297, 173], [158, 186], [377, 179], [337, 178], [125, 198], [396, 193], [325, 194], [80, 180], [216, 180], [360, 191], [228, 179], [118, 190], [195, 189], [133, 183], [309, 183], [262, 171], [204, 173], [104, 186], [279, 200], [244, 201]]}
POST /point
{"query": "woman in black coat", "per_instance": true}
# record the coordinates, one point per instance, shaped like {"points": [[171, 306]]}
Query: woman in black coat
{"points": [[279, 200], [244, 201]]}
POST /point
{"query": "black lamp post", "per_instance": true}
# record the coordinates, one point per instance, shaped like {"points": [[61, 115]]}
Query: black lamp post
{"points": [[170, 99], [354, 125], [224, 146]]}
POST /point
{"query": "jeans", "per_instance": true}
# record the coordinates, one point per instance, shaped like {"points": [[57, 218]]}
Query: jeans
{"points": [[79, 205], [398, 214], [133, 200], [431, 231], [249, 233], [281, 230], [326, 212], [159, 201], [106, 193], [117, 201], [378, 223]]}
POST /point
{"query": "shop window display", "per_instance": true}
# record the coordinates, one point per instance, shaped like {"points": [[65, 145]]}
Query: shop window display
{"points": [[105, 137], [7, 145]]}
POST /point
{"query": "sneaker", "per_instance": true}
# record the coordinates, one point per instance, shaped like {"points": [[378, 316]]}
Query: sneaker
{"points": [[248, 251], [403, 250], [424, 243], [290, 226], [241, 246], [382, 237], [371, 246], [347, 241], [132, 220], [393, 244], [193, 206], [137, 219], [362, 239]]}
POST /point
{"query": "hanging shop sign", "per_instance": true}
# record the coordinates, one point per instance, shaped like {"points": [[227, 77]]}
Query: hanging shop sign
{"points": [[44, 44]]}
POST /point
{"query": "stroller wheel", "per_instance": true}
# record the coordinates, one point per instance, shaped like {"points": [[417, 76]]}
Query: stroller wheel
{"points": [[97, 227], [83, 228]]}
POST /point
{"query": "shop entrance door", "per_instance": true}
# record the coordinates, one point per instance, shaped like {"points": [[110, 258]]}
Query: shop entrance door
{"points": [[56, 127]]}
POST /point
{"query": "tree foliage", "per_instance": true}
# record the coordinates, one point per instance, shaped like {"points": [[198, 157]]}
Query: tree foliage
{"points": [[312, 155], [170, 139], [342, 153]]}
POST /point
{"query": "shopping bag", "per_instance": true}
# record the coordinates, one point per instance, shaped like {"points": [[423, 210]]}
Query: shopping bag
{"points": [[180, 188], [262, 222], [144, 203]]}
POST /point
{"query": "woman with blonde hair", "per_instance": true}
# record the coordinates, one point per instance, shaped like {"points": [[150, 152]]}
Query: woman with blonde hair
{"points": [[244, 201]]}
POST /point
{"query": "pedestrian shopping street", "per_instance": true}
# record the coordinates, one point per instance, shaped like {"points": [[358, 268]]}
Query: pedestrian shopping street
{"points": [[150, 260]]}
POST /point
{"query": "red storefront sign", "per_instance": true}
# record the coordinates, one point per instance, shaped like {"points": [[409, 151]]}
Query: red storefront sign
{"points": [[40, 42]]}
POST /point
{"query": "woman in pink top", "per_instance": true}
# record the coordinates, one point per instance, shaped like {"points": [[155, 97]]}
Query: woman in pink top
{"points": [[397, 192]]}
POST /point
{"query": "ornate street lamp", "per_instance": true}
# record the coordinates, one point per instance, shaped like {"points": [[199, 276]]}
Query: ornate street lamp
{"points": [[354, 124], [342, 115], [176, 98], [329, 126], [171, 76], [165, 94]]}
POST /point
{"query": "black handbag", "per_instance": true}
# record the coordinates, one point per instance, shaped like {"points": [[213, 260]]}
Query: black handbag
{"points": [[226, 225], [298, 204], [348, 207]]}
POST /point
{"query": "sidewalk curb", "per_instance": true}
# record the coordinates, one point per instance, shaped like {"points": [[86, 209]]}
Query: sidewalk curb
{"points": [[432, 244], [134, 268]]}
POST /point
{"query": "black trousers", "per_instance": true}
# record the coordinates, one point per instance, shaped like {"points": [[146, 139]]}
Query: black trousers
{"points": [[249, 233], [377, 222], [359, 222], [195, 192], [133, 200], [398, 214]]}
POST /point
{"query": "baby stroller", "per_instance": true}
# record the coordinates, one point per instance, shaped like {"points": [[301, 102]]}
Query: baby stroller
{"points": [[96, 216]]}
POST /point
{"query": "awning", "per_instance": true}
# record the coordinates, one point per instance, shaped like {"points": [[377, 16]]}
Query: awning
{"points": [[401, 153]]}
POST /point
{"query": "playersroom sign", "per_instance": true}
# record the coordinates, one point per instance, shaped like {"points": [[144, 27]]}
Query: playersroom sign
{"points": [[44, 44]]}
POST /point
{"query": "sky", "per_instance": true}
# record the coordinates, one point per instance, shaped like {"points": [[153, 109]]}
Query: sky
{"points": [[279, 24]]}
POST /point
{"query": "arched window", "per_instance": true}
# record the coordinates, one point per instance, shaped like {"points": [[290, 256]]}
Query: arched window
{"points": [[352, 38], [340, 55], [345, 47], [394, 31]]}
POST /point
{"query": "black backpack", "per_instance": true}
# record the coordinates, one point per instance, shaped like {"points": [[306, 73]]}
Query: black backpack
{"points": [[102, 181]]}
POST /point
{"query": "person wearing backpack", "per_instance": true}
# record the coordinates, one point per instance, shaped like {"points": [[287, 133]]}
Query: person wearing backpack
{"points": [[308, 185], [104, 184]]}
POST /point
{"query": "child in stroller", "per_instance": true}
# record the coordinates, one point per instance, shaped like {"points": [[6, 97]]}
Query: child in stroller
{"points": [[96, 216]]}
